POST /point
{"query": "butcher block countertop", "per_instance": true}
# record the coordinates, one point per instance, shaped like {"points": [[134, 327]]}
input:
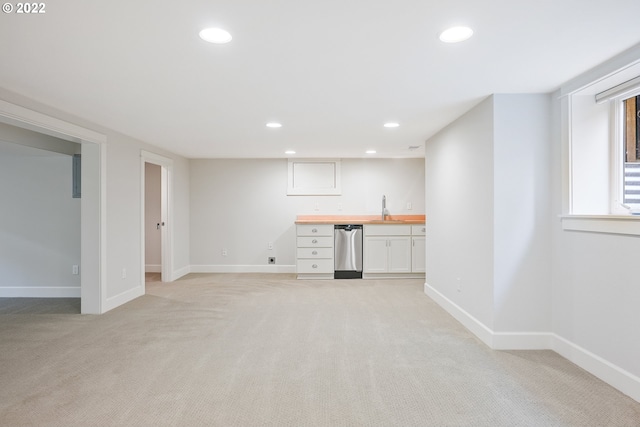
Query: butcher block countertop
{"points": [[360, 219]]}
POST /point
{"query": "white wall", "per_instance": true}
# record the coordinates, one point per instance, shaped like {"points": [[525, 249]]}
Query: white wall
{"points": [[181, 218], [124, 204], [152, 212], [39, 226], [242, 205], [459, 210], [487, 208], [522, 215]]}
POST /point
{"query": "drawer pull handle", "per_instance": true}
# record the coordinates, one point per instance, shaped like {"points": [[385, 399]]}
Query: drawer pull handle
{"points": [[315, 266], [314, 253], [314, 241], [315, 230], [424, 229]]}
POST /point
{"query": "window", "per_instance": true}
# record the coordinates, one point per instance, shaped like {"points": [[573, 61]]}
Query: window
{"points": [[625, 139], [600, 134], [631, 156], [604, 139]]}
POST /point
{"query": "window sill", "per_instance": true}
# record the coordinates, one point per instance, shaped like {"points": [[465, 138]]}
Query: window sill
{"points": [[611, 224]]}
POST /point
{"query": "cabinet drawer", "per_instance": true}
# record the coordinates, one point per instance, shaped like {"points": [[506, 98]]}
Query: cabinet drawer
{"points": [[315, 242], [306, 266], [387, 230], [315, 230], [419, 230], [315, 253]]}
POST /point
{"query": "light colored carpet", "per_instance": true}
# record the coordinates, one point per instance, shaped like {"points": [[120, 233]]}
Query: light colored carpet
{"points": [[269, 350]]}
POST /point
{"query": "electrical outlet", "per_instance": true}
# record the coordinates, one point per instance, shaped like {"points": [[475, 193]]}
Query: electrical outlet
{"points": [[225, 252], [458, 285], [124, 273], [270, 246], [339, 206], [409, 206], [75, 269], [316, 207], [272, 260]]}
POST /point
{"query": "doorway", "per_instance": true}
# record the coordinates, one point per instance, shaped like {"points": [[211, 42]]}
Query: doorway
{"points": [[153, 222], [93, 202], [156, 174]]}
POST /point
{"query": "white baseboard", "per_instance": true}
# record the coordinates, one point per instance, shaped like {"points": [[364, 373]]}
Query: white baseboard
{"points": [[521, 340], [468, 321], [122, 298], [613, 375], [40, 292], [181, 272], [153, 268], [617, 377], [243, 269]]}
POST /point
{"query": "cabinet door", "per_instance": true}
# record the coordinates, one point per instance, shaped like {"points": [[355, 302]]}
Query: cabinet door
{"points": [[399, 258], [418, 254], [375, 255]]}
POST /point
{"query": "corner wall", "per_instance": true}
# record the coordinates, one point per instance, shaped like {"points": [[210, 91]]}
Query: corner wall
{"points": [[522, 215], [488, 234]]}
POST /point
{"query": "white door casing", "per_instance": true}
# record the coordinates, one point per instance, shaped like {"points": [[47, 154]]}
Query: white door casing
{"points": [[93, 203]]}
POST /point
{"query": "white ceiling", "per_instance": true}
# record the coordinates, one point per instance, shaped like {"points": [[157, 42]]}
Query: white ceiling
{"points": [[332, 72]]}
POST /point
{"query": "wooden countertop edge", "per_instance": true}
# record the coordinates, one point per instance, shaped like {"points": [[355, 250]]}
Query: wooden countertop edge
{"points": [[360, 219]]}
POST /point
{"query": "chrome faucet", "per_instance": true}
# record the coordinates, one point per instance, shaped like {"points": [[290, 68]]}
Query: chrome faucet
{"points": [[384, 206]]}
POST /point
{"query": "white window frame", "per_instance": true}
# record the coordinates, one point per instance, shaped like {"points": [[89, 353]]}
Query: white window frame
{"points": [[613, 79], [617, 127]]}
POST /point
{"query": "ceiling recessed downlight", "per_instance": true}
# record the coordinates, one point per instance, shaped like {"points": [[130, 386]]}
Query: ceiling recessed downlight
{"points": [[289, 152], [371, 151], [215, 35], [456, 34], [391, 125], [274, 125]]}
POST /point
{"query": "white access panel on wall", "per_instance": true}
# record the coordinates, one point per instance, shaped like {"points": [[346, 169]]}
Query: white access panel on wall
{"points": [[314, 177]]}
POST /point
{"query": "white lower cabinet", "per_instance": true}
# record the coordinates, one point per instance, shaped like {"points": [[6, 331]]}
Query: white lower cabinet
{"points": [[392, 251], [314, 251], [418, 254], [418, 250], [390, 254], [389, 251]]}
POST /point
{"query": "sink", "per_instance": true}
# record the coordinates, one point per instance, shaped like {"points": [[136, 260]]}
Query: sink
{"points": [[387, 221]]}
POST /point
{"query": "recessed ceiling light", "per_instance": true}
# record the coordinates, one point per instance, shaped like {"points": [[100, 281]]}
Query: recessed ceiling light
{"points": [[215, 35], [391, 125], [456, 34], [370, 151], [274, 125], [289, 152]]}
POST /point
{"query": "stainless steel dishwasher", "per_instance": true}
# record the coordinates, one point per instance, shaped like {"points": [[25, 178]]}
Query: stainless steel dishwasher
{"points": [[348, 251]]}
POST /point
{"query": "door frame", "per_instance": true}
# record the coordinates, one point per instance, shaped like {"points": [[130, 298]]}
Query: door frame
{"points": [[166, 203], [93, 204]]}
